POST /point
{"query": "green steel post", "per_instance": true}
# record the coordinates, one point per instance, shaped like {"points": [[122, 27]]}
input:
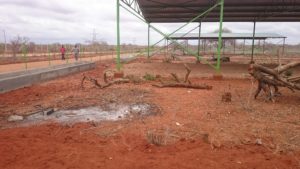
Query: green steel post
{"points": [[24, 51], [223, 46], [79, 53], [118, 36], [148, 50], [283, 47], [220, 35], [244, 46], [253, 37], [264, 46], [49, 57], [198, 52], [67, 56]]}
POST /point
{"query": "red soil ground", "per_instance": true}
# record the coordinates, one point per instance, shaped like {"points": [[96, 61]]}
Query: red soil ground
{"points": [[196, 128]]}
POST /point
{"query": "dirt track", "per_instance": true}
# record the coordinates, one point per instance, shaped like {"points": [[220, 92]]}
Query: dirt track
{"points": [[42, 64], [200, 131]]}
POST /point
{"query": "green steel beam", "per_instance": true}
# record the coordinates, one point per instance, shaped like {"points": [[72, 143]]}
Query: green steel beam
{"points": [[24, 51], [283, 47], [198, 51], [49, 57], [218, 67], [148, 49], [161, 48], [118, 37], [192, 20], [174, 41], [136, 15], [253, 37], [167, 36]]}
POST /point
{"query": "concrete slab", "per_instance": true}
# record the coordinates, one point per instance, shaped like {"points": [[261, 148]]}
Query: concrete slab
{"points": [[14, 80]]}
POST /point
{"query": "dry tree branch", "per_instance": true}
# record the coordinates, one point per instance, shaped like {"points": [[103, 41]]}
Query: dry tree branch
{"points": [[188, 71], [185, 84], [96, 83], [174, 75], [268, 78]]}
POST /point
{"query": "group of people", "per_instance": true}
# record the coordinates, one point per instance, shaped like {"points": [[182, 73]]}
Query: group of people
{"points": [[75, 51]]}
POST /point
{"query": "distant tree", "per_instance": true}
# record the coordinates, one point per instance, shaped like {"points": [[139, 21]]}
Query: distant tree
{"points": [[224, 30], [104, 45], [2, 48], [16, 44], [215, 42], [31, 47]]}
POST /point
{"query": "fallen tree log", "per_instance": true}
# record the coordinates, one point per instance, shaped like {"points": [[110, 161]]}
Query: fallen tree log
{"points": [[106, 84], [94, 81], [184, 85], [272, 78], [281, 69], [294, 79], [116, 81]]}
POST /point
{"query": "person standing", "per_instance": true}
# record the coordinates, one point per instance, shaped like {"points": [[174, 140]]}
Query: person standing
{"points": [[76, 52], [62, 51]]}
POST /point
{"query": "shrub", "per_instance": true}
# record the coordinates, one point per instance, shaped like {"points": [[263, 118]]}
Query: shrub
{"points": [[149, 77]]}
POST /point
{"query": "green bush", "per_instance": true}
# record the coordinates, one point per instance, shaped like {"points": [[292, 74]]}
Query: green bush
{"points": [[149, 77]]}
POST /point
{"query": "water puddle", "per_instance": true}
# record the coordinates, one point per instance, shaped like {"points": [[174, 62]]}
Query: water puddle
{"points": [[112, 112]]}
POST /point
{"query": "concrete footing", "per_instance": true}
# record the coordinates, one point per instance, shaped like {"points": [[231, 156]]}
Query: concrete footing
{"points": [[119, 74], [15, 80], [217, 76]]}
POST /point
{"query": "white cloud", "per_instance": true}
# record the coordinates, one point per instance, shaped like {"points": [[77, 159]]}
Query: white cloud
{"points": [[74, 20]]}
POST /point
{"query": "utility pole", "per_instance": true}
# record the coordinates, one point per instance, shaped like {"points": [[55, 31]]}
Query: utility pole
{"points": [[4, 34], [94, 39], [94, 36]]}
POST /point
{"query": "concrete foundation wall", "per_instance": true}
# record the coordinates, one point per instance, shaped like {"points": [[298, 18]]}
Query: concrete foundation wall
{"points": [[15, 80]]}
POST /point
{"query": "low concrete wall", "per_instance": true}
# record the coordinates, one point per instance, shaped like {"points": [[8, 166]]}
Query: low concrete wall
{"points": [[15, 80]]}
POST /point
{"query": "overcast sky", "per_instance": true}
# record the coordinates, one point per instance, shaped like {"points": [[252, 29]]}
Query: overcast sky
{"points": [[73, 21]]}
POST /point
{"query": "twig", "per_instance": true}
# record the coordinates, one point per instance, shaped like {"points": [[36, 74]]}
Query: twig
{"points": [[174, 75], [186, 79]]}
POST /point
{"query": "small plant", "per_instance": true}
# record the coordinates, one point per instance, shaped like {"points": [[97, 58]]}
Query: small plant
{"points": [[155, 139], [134, 79], [167, 60], [149, 77], [288, 73]]}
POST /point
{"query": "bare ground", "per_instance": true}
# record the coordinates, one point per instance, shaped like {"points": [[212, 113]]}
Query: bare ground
{"points": [[193, 129]]}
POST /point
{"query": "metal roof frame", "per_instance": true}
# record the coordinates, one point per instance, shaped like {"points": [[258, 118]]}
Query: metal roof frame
{"points": [[170, 11], [242, 36], [191, 11]]}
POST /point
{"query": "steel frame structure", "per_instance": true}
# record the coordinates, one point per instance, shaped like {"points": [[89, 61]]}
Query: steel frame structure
{"points": [[198, 11], [239, 36], [132, 7]]}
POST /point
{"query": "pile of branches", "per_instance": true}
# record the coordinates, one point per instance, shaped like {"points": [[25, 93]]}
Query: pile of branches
{"points": [[186, 83], [108, 80], [269, 80]]}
